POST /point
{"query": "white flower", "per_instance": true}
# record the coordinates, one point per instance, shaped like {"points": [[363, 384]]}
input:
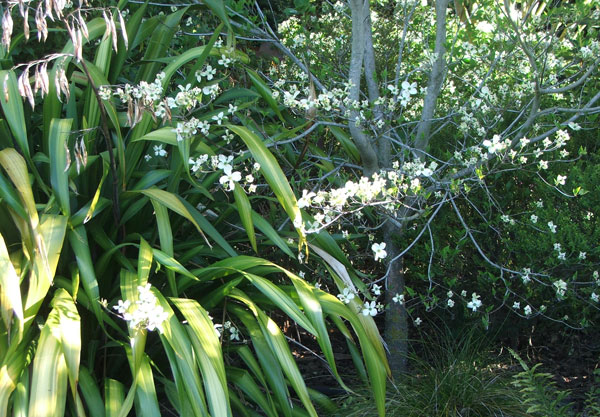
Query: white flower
{"points": [[561, 288], [306, 199], [450, 294], [379, 250], [224, 61], [552, 227], [234, 333], [230, 178], [159, 150], [104, 92], [145, 313], [122, 306], [232, 109], [534, 218], [219, 118], [516, 305], [346, 296], [495, 145], [376, 289], [557, 246], [595, 297], [450, 303], [208, 72], [560, 180], [370, 309], [562, 256], [475, 302], [418, 321], [408, 89], [224, 161], [398, 298], [525, 276], [527, 310], [463, 293]]}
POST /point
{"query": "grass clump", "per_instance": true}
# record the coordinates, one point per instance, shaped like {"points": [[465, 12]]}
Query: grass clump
{"points": [[451, 377]]}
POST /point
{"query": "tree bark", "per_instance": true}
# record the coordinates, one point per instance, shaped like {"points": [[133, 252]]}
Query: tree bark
{"points": [[396, 323]]}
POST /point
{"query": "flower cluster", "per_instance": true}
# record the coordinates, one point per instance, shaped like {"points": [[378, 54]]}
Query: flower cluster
{"points": [[231, 176], [228, 327], [144, 312]]}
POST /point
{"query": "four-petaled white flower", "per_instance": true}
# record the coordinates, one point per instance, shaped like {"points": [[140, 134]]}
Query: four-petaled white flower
{"points": [[376, 289], [475, 302], [370, 309], [159, 150], [346, 296], [379, 250], [552, 227], [229, 177], [398, 298], [527, 310], [234, 333], [208, 72], [418, 321], [224, 61], [219, 118]]}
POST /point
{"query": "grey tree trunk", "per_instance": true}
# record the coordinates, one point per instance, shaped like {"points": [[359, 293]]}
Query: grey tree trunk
{"points": [[396, 323]]}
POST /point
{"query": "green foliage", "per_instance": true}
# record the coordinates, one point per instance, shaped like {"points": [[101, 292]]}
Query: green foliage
{"points": [[455, 376], [177, 276], [539, 392]]}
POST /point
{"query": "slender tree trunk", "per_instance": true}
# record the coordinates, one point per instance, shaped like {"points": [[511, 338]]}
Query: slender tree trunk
{"points": [[396, 324]]}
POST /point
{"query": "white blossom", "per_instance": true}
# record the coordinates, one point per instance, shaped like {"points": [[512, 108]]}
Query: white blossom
{"points": [[475, 302], [379, 250], [370, 309]]}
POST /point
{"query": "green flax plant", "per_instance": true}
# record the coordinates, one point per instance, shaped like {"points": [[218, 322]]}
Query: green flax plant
{"points": [[139, 272]]}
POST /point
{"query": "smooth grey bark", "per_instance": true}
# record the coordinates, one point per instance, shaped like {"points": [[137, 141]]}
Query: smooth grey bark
{"points": [[436, 79], [360, 29], [377, 154]]}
